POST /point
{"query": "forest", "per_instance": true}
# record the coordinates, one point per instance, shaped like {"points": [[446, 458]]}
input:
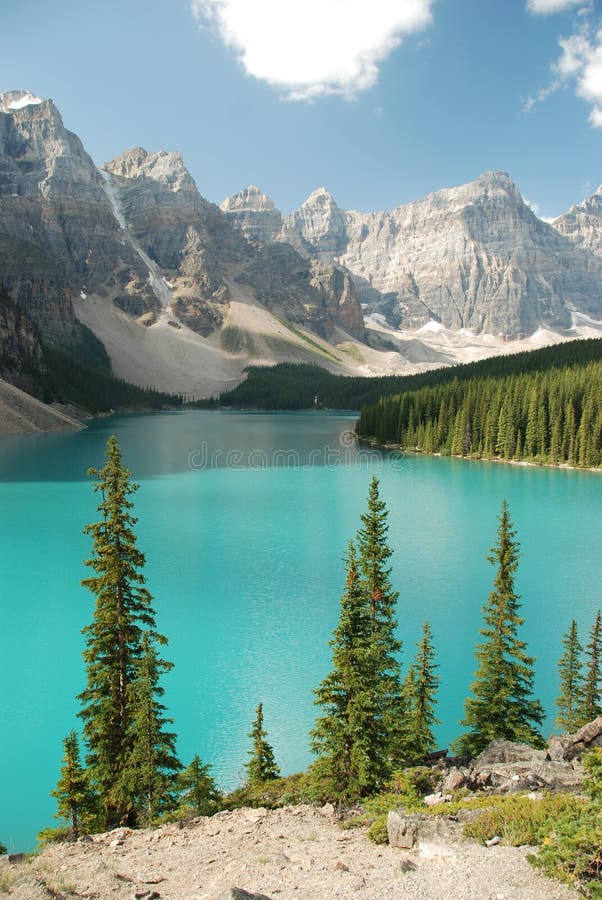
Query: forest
{"points": [[302, 386], [547, 415]]}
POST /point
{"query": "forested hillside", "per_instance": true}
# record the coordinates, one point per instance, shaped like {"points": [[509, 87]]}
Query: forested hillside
{"points": [[548, 414], [296, 386]]}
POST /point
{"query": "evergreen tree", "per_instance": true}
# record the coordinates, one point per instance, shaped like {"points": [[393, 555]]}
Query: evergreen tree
{"points": [[592, 688], [570, 699], [76, 802], [419, 691], [197, 788], [502, 705], [152, 763], [349, 738], [122, 612], [262, 765], [374, 553]]}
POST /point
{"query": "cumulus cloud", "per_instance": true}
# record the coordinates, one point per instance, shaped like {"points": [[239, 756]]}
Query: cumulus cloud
{"points": [[312, 48], [580, 63], [546, 7]]}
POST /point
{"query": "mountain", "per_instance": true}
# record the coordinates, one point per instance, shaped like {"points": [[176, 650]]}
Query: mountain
{"points": [[582, 224], [132, 247], [473, 257], [185, 294]]}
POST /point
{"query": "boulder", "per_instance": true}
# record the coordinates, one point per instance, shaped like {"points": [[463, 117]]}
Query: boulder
{"points": [[570, 746], [429, 835], [501, 751], [454, 780]]}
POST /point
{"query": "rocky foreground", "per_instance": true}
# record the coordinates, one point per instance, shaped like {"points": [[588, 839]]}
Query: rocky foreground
{"points": [[294, 852], [303, 852]]}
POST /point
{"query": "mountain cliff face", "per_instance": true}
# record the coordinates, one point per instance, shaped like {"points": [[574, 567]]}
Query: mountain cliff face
{"points": [[136, 232], [473, 257], [582, 224], [52, 198]]}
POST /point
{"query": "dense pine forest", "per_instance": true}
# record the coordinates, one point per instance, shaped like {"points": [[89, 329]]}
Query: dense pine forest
{"points": [[301, 386], [550, 414]]}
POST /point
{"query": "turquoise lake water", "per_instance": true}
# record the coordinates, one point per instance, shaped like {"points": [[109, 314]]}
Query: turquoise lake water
{"points": [[244, 518]]}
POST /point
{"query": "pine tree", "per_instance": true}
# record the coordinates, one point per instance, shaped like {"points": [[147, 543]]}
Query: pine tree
{"points": [[592, 687], [76, 802], [419, 691], [197, 788], [502, 705], [570, 699], [262, 766], [349, 738], [122, 613], [374, 552], [149, 773]]}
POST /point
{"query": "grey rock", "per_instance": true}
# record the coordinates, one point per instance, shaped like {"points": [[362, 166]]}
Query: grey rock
{"points": [[237, 893], [502, 751], [454, 780], [590, 735], [423, 832], [510, 767]]}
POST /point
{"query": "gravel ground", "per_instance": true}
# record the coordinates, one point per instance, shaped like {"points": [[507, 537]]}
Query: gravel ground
{"points": [[295, 852]]}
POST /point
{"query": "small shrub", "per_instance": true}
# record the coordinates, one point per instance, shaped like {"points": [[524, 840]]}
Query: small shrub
{"points": [[292, 789], [58, 835], [520, 820], [377, 832]]}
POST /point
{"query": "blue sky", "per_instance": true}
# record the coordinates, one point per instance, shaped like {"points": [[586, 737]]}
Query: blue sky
{"points": [[381, 101]]}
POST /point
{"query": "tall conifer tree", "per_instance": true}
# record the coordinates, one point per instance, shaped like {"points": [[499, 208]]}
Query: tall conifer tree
{"points": [[262, 765], [592, 688], [149, 775], [419, 690], [569, 702], [502, 705], [374, 553], [349, 738], [122, 613]]}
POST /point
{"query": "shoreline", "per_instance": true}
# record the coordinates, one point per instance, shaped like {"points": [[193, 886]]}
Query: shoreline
{"points": [[483, 459]]}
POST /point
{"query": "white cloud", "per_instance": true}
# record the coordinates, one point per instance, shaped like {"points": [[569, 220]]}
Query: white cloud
{"points": [[546, 7], [311, 48], [536, 208], [581, 63]]}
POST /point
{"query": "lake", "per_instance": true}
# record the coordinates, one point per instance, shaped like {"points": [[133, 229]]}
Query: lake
{"points": [[244, 518]]}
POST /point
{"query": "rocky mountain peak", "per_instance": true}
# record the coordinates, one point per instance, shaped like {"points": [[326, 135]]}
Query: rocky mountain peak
{"points": [[582, 224], [320, 197], [13, 100], [251, 199], [320, 224], [166, 168], [254, 213]]}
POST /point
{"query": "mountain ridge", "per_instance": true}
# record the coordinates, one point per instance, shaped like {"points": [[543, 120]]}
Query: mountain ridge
{"points": [[185, 293]]}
